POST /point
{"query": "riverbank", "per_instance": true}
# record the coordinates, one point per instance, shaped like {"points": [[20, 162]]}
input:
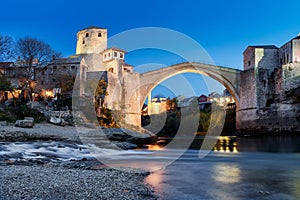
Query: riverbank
{"points": [[105, 137], [64, 169], [53, 181]]}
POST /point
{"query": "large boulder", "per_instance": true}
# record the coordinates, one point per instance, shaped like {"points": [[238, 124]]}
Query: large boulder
{"points": [[24, 123], [125, 135], [121, 137]]}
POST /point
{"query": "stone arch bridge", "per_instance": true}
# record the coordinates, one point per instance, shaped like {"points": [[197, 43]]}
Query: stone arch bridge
{"points": [[128, 93]]}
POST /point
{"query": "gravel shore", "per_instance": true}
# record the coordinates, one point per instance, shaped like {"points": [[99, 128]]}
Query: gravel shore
{"points": [[57, 182], [48, 180], [44, 129]]}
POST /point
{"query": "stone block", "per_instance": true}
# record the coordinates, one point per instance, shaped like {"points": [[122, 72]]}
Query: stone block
{"points": [[3, 123], [24, 123]]}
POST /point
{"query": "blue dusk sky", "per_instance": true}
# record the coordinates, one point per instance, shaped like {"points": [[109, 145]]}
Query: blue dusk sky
{"points": [[223, 28]]}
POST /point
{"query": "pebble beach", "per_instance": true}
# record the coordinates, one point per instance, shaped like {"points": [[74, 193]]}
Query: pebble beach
{"points": [[59, 180]]}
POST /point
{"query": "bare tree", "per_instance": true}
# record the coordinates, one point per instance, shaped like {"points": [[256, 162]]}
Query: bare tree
{"points": [[33, 53], [6, 48]]}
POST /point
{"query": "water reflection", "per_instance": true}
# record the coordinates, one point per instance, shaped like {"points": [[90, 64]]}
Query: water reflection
{"points": [[225, 173], [232, 144], [226, 144]]}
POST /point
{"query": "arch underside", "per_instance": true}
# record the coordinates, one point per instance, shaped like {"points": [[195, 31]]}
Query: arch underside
{"points": [[229, 78]]}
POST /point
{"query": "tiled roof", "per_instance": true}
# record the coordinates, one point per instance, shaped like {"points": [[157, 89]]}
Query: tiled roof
{"points": [[92, 27], [296, 38], [265, 46], [116, 49], [5, 64], [127, 65]]}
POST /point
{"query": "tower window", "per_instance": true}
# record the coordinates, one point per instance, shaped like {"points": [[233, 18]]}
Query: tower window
{"points": [[121, 55], [249, 63], [87, 35], [53, 80], [115, 54], [83, 42], [99, 34], [42, 82]]}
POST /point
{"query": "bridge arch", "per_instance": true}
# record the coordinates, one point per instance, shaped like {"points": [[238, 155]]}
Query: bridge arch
{"points": [[228, 77]]}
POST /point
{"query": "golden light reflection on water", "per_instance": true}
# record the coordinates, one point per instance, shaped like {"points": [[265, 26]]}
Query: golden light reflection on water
{"points": [[226, 144], [226, 173], [155, 179], [155, 147]]}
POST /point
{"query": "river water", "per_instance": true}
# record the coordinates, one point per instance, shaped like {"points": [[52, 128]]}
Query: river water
{"points": [[236, 168]]}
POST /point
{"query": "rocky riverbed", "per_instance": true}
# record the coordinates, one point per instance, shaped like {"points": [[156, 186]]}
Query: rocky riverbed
{"points": [[105, 137], [51, 162]]}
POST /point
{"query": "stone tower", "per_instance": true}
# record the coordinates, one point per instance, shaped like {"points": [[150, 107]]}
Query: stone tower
{"points": [[91, 40]]}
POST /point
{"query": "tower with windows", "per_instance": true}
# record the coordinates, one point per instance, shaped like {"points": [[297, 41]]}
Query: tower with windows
{"points": [[91, 40]]}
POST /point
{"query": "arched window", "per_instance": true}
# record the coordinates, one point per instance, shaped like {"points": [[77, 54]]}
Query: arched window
{"points": [[111, 70], [87, 35]]}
